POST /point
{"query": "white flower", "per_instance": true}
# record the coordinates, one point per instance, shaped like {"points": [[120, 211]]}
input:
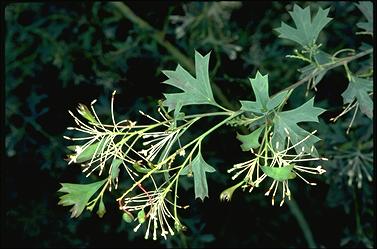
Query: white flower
{"points": [[158, 141], [100, 145], [276, 159], [158, 218]]}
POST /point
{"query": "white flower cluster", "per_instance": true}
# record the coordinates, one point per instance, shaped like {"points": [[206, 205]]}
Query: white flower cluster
{"points": [[158, 216], [105, 142], [277, 159]]}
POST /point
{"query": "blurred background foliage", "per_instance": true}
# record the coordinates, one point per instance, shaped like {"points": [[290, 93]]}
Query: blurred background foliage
{"points": [[60, 54]]}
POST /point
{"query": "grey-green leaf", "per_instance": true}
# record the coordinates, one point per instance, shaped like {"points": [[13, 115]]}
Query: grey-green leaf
{"points": [[90, 152], [359, 89], [199, 169], [251, 140], [279, 173], [287, 121], [78, 195], [276, 100], [262, 103], [307, 30], [366, 8], [196, 91]]}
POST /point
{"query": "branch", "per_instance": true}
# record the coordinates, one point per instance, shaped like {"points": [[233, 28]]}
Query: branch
{"points": [[187, 63], [340, 62]]}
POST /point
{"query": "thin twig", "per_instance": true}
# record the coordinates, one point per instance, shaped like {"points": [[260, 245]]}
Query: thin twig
{"points": [[340, 62]]}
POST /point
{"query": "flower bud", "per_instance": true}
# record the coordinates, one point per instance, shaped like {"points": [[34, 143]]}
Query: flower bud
{"points": [[127, 217], [85, 113], [141, 216], [226, 195], [179, 227]]}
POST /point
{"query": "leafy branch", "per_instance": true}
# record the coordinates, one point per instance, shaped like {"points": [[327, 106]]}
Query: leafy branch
{"points": [[154, 158]]}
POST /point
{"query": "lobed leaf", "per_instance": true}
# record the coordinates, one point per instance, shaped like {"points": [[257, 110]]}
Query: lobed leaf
{"points": [[307, 30], [196, 91], [250, 141], [358, 88], [199, 168], [78, 195], [366, 8], [287, 120], [263, 103]]}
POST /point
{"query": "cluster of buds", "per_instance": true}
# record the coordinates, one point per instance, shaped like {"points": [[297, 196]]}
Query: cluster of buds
{"points": [[276, 164]]}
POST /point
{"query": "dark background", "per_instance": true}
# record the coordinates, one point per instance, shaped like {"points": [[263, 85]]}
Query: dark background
{"points": [[60, 54]]}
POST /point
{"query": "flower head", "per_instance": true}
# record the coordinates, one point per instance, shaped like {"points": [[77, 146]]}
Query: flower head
{"points": [[279, 165], [157, 216]]}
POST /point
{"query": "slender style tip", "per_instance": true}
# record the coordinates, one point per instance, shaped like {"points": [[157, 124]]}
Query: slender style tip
{"points": [[282, 202]]}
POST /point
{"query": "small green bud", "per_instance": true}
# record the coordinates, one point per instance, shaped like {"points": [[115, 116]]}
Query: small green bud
{"points": [[85, 113], [101, 209], [179, 227], [141, 216], [226, 195], [127, 217]]}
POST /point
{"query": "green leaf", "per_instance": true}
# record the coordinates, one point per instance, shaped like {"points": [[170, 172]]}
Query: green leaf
{"points": [[89, 151], [196, 91], [307, 30], [71, 147], [186, 171], [101, 209], [251, 140], [288, 120], [262, 103], [279, 173], [276, 100], [78, 195], [367, 9], [199, 169], [358, 88]]}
